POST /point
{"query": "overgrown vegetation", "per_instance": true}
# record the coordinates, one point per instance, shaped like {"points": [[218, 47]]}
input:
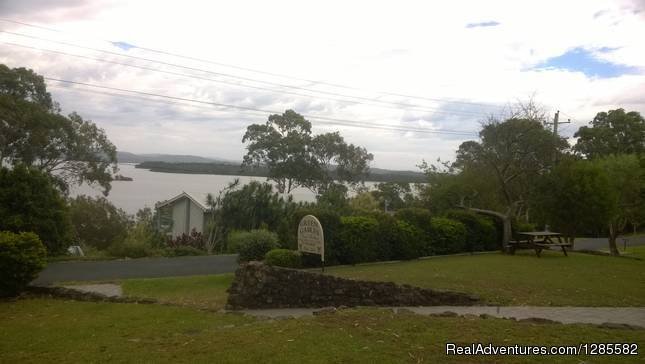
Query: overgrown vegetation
{"points": [[22, 257]]}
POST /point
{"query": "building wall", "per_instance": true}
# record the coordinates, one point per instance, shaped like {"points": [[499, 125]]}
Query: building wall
{"points": [[186, 216], [179, 217], [196, 218]]}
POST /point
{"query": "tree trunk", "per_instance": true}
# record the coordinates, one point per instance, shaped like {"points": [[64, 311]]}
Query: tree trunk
{"points": [[613, 234], [506, 221]]}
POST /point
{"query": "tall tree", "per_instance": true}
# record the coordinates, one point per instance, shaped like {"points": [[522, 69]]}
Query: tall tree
{"points": [[34, 133], [513, 153], [625, 176], [296, 158], [575, 196], [612, 132]]}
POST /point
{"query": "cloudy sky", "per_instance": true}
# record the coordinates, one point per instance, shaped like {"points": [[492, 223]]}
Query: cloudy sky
{"points": [[409, 80]]}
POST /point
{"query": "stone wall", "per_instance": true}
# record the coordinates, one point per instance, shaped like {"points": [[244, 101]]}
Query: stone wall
{"points": [[257, 285]]}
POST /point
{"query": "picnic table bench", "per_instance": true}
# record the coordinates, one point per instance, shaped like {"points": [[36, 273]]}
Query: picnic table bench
{"points": [[538, 241]]}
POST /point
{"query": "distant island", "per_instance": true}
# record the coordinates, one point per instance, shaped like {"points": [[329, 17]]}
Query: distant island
{"points": [[376, 174], [119, 177]]}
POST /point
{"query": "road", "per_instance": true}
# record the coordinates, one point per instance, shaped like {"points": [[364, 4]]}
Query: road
{"points": [[214, 264], [136, 268], [603, 244]]}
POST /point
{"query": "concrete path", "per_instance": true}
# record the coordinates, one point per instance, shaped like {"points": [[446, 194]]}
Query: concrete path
{"points": [[634, 316], [136, 268], [106, 289]]}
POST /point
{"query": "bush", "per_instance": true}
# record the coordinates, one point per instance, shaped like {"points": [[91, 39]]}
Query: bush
{"points": [[22, 256], [131, 249], [252, 245], [283, 258], [358, 239], [97, 222], [29, 201], [181, 251], [409, 241], [481, 233], [194, 240], [415, 216], [520, 226], [447, 237]]}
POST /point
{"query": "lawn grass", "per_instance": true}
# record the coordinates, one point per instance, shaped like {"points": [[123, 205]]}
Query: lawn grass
{"points": [[207, 292], [47, 330], [522, 279]]}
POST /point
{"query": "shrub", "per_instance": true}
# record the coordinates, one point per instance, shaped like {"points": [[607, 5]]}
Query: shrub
{"points": [[22, 256], [283, 258], [181, 251], [415, 216], [97, 222], [131, 249], [194, 240], [447, 237], [358, 239], [481, 233], [409, 241], [29, 201], [252, 245]]}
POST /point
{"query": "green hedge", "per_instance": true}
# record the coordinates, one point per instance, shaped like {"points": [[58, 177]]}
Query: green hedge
{"points": [[358, 240], [415, 216], [22, 257], [409, 242], [252, 245], [447, 237], [283, 258], [481, 233]]}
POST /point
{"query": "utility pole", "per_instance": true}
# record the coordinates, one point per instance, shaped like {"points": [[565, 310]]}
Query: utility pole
{"points": [[556, 122]]}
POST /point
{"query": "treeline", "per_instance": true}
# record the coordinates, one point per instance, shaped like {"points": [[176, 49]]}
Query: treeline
{"points": [[236, 170]]}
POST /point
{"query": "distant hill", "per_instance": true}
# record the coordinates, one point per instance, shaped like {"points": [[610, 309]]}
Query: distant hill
{"points": [[376, 174], [127, 157]]}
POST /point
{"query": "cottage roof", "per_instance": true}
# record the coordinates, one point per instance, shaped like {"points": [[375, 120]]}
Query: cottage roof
{"points": [[183, 194]]}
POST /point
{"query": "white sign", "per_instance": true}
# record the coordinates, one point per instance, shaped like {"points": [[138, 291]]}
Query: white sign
{"points": [[310, 236]]}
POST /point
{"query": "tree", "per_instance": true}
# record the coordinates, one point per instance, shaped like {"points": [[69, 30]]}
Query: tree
{"points": [[575, 196], [393, 195], [512, 155], [30, 202], [34, 133], [97, 222], [296, 158], [612, 132], [625, 176]]}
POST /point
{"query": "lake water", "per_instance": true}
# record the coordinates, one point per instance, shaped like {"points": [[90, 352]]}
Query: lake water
{"points": [[148, 187]]}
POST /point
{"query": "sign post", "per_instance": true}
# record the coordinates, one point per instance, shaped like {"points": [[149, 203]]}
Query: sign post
{"points": [[311, 238]]}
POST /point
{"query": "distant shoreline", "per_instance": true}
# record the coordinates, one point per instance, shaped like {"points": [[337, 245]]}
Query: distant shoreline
{"points": [[236, 170]]}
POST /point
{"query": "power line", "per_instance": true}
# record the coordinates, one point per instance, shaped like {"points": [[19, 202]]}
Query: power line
{"points": [[326, 120], [247, 69], [381, 102], [203, 78]]}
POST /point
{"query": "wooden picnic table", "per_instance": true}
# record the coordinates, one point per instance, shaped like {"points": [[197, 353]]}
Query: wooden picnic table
{"points": [[538, 241]]}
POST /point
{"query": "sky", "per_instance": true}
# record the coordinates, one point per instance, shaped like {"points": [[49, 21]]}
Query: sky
{"points": [[409, 81]]}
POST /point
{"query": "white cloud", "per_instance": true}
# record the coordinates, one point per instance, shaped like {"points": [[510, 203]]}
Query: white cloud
{"points": [[412, 48]]}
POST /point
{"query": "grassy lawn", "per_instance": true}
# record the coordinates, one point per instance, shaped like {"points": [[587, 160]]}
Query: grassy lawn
{"points": [[207, 292], [46, 330], [523, 279]]}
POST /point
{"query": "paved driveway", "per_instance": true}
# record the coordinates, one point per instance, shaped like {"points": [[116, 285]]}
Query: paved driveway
{"points": [[136, 268]]}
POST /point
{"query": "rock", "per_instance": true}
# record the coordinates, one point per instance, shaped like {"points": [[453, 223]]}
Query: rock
{"points": [[260, 286], [445, 314]]}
